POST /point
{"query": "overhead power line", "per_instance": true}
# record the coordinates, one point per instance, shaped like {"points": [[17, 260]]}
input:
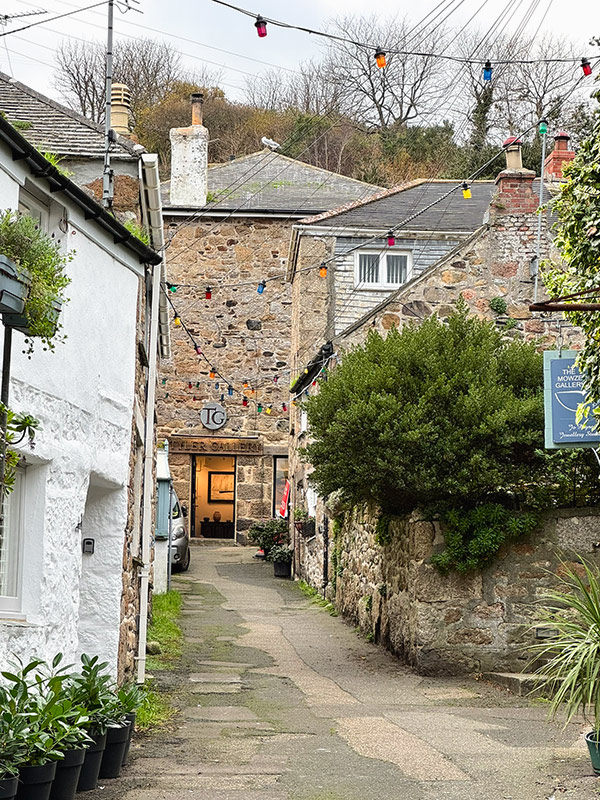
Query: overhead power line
{"points": [[52, 19]]}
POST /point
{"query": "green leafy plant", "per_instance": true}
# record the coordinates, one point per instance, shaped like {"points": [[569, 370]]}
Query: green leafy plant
{"points": [[19, 426], [281, 553], [131, 697], [267, 533], [40, 258], [92, 688], [138, 231], [498, 305], [570, 672], [47, 722], [474, 536], [300, 514], [56, 160], [383, 533]]}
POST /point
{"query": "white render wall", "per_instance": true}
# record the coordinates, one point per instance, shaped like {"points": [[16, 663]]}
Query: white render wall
{"points": [[77, 475]]}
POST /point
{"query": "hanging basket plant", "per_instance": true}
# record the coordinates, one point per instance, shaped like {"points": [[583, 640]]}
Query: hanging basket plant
{"points": [[39, 265]]}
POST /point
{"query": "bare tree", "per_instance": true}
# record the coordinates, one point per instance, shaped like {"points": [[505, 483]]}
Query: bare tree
{"points": [[399, 93], [149, 67]]}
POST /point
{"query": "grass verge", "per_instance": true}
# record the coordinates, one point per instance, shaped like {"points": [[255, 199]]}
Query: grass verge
{"points": [[155, 712], [316, 598], [165, 629]]}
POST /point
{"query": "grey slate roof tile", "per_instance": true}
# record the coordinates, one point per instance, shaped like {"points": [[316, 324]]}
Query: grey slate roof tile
{"points": [[55, 128], [393, 207], [268, 181]]}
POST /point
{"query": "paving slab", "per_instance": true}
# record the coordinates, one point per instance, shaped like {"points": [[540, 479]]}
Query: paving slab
{"points": [[280, 701]]}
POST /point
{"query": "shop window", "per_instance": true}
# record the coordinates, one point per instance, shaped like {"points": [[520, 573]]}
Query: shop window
{"points": [[280, 476]]}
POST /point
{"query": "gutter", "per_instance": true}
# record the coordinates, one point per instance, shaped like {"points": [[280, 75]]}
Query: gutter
{"points": [[22, 150]]}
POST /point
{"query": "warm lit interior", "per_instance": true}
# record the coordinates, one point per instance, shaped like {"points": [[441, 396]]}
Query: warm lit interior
{"points": [[215, 490]]}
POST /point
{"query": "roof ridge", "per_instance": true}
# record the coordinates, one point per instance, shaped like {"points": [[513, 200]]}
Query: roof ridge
{"points": [[125, 143]]}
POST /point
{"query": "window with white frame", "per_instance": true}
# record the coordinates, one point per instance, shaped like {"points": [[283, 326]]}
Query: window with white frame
{"points": [[11, 541], [381, 269], [34, 207]]}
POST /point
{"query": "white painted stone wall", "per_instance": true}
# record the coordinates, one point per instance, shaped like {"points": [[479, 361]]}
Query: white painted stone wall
{"points": [[76, 477], [189, 166]]}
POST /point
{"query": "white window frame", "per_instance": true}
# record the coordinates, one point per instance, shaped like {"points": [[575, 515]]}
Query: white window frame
{"points": [[382, 267], [11, 605], [35, 208]]}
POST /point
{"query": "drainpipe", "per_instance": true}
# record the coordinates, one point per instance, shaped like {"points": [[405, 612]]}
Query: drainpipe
{"points": [[149, 169]]}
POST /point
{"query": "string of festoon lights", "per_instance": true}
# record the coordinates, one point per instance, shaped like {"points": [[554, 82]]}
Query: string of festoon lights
{"points": [[226, 387], [380, 54]]}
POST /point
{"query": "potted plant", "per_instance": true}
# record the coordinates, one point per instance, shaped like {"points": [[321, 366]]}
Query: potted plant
{"points": [[281, 556], [35, 700], [130, 697], [14, 286], [569, 669], [304, 523], [268, 533], [40, 265], [91, 689], [12, 747]]}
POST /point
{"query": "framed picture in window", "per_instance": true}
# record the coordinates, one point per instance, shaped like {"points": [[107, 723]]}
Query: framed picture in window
{"points": [[221, 487]]}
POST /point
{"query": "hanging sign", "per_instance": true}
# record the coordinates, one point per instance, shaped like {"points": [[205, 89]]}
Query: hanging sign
{"points": [[283, 509], [563, 393]]}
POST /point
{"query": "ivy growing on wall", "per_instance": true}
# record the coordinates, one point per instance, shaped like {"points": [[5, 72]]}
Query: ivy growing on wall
{"points": [[448, 418]]}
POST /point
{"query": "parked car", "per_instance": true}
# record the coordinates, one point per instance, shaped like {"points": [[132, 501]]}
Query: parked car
{"points": [[180, 542]]}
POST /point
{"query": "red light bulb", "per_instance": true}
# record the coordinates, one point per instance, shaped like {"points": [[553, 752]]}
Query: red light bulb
{"points": [[586, 67], [391, 239], [261, 26], [245, 402], [207, 293]]}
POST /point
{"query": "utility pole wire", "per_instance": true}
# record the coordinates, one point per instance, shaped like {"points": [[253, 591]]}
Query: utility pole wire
{"points": [[52, 19]]}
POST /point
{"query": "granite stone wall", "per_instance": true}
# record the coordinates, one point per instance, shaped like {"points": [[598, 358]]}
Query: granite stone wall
{"points": [[457, 623]]}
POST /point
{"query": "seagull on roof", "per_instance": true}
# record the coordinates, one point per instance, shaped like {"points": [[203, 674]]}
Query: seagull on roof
{"points": [[270, 143]]}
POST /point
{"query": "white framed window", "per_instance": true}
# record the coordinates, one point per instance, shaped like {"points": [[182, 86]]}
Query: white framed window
{"points": [[34, 207], [381, 269], [11, 548]]}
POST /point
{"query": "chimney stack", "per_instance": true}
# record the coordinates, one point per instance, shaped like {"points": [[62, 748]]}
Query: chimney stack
{"points": [[560, 156], [120, 103], [515, 184], [189, 160]]}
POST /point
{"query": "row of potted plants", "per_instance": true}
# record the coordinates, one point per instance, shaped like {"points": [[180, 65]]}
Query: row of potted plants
{"points": [[62, 730]]}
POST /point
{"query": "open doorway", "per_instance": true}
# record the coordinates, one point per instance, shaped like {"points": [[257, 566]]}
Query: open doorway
{"points": [[213, 501]]}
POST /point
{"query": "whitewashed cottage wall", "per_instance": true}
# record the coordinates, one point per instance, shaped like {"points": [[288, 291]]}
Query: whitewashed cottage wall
{"points": [[76, 477]]}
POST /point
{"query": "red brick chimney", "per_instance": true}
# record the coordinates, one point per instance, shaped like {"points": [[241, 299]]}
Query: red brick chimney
{"points": [[560, 156], [515, 184]]}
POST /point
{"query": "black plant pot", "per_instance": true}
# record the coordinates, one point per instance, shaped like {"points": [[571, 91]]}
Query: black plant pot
{"points": [[131, 719], [35, 783], [67, 775], [88, 777], [282, 569], [8, 788], [116, 742]]}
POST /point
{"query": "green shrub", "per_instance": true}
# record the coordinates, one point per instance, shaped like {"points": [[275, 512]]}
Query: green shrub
{"points": [[443, 417]]}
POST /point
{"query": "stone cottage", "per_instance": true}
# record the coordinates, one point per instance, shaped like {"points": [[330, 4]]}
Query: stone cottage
{"points": [[90, 475], [223, 399], [439, 624]]}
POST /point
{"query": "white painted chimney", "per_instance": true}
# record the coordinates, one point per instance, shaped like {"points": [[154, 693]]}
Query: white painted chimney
{"points": [[189, 160]]}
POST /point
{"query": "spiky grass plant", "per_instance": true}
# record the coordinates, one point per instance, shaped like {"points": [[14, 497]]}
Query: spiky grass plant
{"points": [[571, 673]]}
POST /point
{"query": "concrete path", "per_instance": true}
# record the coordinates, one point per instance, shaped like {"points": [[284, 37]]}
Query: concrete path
{"points": [[280, 701]]}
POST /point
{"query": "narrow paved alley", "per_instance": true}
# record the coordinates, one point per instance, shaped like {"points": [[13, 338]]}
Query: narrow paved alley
{"points": [[281, 701]]}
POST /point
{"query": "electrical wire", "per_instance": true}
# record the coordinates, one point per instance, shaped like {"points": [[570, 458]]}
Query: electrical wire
{"points": [[367, 45], [52, 19]]}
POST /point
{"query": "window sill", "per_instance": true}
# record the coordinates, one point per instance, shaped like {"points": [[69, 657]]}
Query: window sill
{"points": [[392, 287], [14, 618]]}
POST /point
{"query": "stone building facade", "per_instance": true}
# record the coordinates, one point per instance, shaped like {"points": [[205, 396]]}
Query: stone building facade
{"points": [[439, 624], [228, 228]]}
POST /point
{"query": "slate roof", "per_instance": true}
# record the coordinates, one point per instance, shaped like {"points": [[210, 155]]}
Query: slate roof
{"points": [[55, 128], [388, 209], [270, 182]]}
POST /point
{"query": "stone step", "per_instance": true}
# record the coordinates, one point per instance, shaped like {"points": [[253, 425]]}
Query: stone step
{"points": [[519, 683], [200, 542]]}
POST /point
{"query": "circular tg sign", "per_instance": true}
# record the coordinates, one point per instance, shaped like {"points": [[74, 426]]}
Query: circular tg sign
{"points": [[213, 416]]}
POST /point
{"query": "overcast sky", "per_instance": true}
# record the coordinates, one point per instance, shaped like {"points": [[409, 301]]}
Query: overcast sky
{"points": [[204, 23]]}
